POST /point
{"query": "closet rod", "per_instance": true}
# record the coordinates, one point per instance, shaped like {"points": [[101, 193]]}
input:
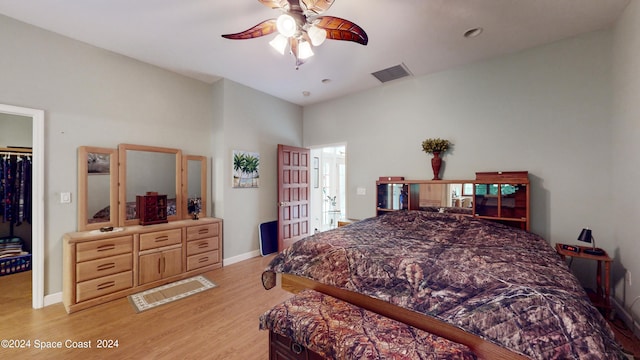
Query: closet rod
{"points": [[15, 151]]}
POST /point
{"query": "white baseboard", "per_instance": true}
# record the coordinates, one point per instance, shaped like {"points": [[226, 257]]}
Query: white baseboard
{"points": [[52, 299], [625, 316], [241, 257]]}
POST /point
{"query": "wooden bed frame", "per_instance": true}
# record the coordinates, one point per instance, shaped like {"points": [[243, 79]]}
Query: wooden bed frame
{"points": [[484, 349]]}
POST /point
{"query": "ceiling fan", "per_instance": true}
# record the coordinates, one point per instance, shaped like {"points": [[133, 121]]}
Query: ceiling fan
{"points": [[300, 27]]}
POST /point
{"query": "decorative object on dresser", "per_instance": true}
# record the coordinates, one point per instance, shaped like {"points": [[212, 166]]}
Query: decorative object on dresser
{"points": [[586, 236], [152, 208], [194, 185], [436, 146]]}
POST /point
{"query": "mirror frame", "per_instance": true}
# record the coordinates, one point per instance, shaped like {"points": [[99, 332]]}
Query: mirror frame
{"points": [[185, 184], [83, 180], [122, 174]]}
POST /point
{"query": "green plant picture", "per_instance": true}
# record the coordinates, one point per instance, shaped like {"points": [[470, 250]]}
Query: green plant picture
{"points": [[245, 169]]}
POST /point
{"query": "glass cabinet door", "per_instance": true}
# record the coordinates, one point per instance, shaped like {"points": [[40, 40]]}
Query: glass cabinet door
{"points": [[392, 196], [501, 200], [486, 199], [513, 201]]}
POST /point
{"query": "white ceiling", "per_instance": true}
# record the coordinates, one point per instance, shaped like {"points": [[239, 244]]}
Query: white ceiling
{"points": [[425, 35]]}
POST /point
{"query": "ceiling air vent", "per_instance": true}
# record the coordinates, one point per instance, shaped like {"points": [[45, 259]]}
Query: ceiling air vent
{"points": [[392, 73]]}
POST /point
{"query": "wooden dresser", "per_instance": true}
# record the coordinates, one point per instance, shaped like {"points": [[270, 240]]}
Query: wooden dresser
{"points": [[103, 266]]}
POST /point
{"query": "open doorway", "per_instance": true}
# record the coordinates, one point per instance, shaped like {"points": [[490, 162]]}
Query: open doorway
{"points": [[34, 134], [328, 186]]}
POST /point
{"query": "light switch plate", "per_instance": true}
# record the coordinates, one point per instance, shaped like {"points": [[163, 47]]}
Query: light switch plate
{"points": [[361, 191], [65, 197]]}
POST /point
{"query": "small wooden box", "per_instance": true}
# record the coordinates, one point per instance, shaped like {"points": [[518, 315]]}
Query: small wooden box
{"points": [[151, 208], [391, 178]]}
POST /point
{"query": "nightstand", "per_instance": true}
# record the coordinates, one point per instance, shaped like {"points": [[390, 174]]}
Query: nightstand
{"points": [[600, 298]]}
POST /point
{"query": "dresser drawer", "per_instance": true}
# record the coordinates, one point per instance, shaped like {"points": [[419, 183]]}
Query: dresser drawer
{"points": [[102, 267], [103, 248], [202, 231], [160, 238], [200, 260], [103, 286], [202, 245]]}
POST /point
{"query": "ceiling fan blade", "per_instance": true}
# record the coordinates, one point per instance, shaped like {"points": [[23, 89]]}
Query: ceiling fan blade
{"points": [[275, 4], [264, 28], [318, 6], [341, 29]]}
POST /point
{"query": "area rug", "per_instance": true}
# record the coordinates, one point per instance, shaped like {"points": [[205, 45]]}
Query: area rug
{"points": [[164, 294]]}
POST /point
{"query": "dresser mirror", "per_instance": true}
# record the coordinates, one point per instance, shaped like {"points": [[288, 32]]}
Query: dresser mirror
{"points": [[148, 169], [97, 188], [194, 186]]}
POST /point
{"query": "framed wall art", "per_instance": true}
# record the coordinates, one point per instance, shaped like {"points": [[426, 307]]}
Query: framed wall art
{"points": [[246, 166]]}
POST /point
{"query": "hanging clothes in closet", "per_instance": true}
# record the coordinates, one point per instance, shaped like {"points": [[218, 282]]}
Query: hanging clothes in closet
{"points": [[15, 188]]}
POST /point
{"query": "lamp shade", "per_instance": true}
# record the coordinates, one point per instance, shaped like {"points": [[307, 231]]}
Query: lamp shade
{"points": [[305, 50], [317, 35], [585, 235], [279, 43], [286, 25]]}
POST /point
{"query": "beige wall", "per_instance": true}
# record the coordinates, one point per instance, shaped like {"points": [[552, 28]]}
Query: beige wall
{"points": [[539, 110], [94, 97], [625, 156], [255, 122]]}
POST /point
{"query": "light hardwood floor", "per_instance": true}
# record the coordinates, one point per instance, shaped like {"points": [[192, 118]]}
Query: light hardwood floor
{"points": [[221, 323]]}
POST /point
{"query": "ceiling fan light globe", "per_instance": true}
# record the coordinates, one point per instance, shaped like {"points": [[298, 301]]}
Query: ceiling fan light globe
{"points": [[305, 51], [286, 25], [279, 43], [317, 35]]}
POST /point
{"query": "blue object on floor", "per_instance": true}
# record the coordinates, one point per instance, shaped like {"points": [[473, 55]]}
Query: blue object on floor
{"points": [[268, 233]]}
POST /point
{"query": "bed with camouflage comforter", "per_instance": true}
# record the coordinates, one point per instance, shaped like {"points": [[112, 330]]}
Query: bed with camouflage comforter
{"points": [[505, 285]]}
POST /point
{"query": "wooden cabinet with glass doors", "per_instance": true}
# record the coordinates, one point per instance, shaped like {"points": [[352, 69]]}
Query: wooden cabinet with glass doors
{"points": [[502, 196]]}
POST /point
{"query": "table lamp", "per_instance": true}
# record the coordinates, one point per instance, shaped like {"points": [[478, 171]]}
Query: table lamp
{"points": [[585, 235]]}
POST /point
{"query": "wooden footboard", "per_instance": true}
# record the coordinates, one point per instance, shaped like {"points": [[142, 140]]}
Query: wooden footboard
{"points": [[484, 349]]}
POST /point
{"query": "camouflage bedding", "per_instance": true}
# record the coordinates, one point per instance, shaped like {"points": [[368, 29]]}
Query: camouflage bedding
{"points": [[338, 330], [505, 285]]}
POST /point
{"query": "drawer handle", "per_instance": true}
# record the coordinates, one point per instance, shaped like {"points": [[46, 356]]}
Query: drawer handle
{"points": [[203, 231], [162, 265], [106, 285], [106, 266], [297, 348], [203, 245], [106, 247], [204, 259], [162, 238]]}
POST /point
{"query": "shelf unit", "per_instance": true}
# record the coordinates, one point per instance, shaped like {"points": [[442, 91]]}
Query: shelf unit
{"points": [[503, 196]]}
